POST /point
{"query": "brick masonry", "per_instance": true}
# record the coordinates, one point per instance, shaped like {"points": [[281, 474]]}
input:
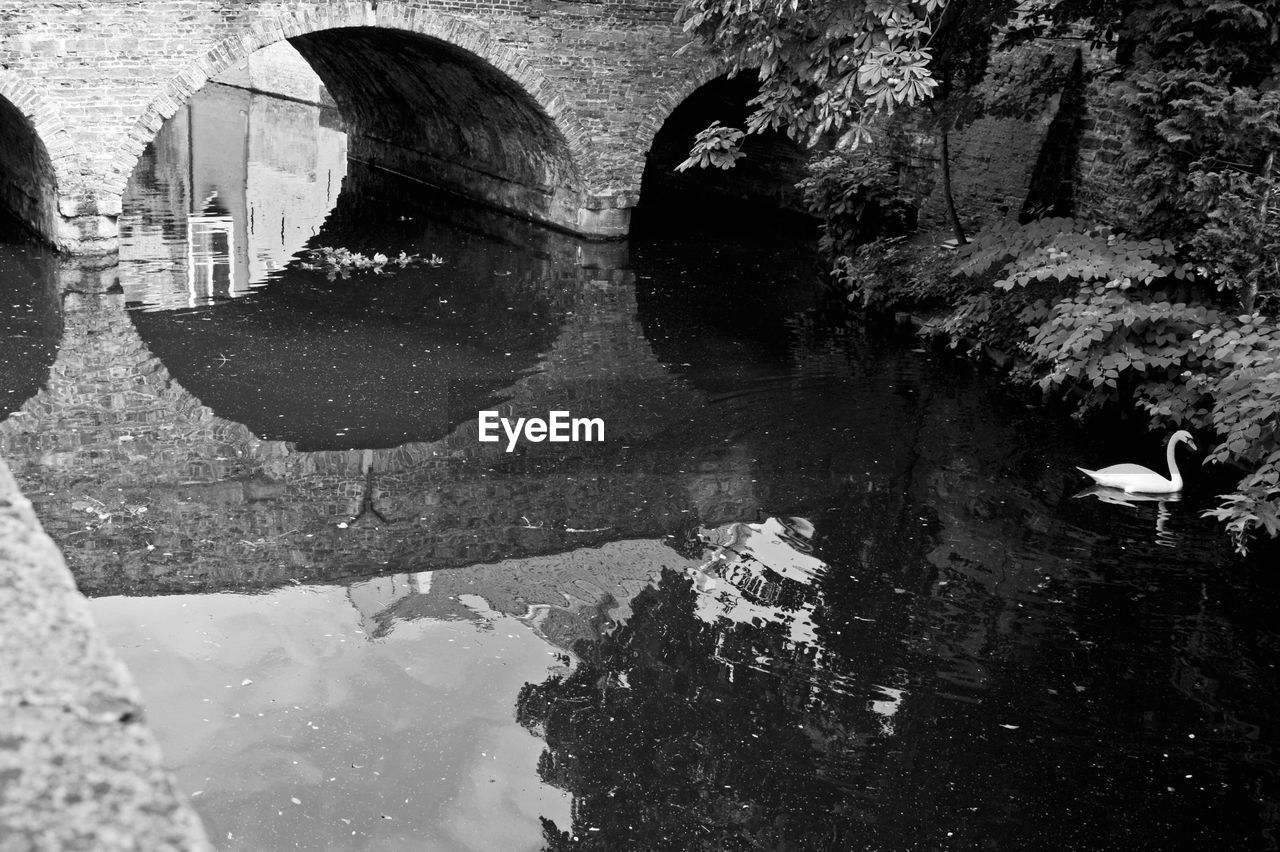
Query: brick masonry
{"points": [[1103, 191], [998, 162], [281, 71], [93, 81]]}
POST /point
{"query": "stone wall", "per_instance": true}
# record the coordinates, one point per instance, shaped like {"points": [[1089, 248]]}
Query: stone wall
{"points": [[1064, 160], [1103, 192], [997, 162], [448, 119], [77, 768], [544, 107]]}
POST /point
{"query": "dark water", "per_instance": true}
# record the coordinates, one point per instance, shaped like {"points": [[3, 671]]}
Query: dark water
{"points": [[357, 626], [29, 322]]}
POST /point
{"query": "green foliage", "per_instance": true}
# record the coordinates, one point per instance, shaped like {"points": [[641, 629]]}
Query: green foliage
{"points": [[1203, 165], [1058, 248], [1172, 324], [1238, 244], [894, 274], [825, 67], [1253, 504], [1197, 81], [1137, 329], [857, 197], [716, 146], [1168, 320]]}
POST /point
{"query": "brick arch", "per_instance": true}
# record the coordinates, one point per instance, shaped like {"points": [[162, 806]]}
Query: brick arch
{"points": [[670, 97], [273, 26], [766, 177], [51, 166]]}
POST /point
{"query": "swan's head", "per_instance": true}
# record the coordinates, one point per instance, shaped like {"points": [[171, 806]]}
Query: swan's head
{"points": [[1184, 436]]}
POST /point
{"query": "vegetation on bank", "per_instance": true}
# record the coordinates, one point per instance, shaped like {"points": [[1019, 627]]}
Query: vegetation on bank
{"points": [[1174, 318]]}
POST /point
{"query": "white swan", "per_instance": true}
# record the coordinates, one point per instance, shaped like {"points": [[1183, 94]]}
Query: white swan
{"points": [[1134, 478]]}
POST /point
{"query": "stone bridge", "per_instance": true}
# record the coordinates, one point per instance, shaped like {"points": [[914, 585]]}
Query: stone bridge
{"points": [[546, 108]]}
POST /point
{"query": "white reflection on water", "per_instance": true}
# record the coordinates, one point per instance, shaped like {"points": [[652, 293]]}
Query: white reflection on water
{"points": [[754, 561], [230, 189], [291, 728]]}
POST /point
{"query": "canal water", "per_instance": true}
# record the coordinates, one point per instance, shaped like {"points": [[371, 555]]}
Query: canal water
{"points": [[819, 587]]}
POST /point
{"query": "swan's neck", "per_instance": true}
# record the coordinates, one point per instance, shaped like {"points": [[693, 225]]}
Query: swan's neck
{"points": [[1175, 476]]}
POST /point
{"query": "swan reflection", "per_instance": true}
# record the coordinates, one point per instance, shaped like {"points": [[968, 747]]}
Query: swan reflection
{"points": [[1131, 499]]}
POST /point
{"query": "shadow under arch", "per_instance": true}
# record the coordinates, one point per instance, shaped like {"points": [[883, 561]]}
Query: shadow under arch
{"points": [[722, 257], [31, 324], [709, 68], [30, 137], [427, 95], [762, 181]]}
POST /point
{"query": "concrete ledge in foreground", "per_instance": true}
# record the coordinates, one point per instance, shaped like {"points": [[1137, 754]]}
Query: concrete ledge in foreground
{"points": [[78, 770]]}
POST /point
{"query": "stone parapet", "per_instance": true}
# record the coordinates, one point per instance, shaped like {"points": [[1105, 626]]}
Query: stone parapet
{"points": [[78, 769]]}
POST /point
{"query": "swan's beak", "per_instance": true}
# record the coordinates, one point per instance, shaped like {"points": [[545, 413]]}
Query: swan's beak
{"points": [[1192, 444]]}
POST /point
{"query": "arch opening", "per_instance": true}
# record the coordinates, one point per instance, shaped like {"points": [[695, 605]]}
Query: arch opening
{"points": [[28, 184], [761, 182], [423, 108], [467, 117]]}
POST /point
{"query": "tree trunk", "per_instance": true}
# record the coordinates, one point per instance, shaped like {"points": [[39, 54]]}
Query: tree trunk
{"points": [[1250, 294], [952, 216]]}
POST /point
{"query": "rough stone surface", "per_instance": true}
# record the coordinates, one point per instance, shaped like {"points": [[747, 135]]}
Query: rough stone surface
{"points": [[1104, 192], [996, 161], [77, 768]]}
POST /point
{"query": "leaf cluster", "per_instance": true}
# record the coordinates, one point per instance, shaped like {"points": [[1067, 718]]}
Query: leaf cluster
{"points": [[825, 68], [717, 146], [1199, 84], [857, 197], [1058, 248], [894, 274]]}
